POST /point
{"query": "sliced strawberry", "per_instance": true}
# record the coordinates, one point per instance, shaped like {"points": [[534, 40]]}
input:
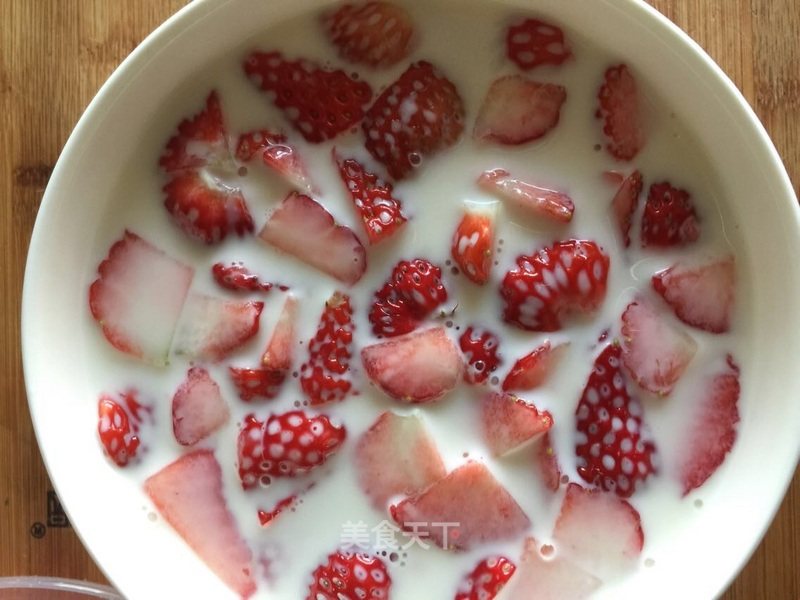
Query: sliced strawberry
{"points": [[201, 141], [348, 575], [188, 494], [417, 367], [276, 153], [417, 116], [237, 278], [613, 450], [295, 443], [303, 228], [509, 423], [669, 218], [547, 463], [712, 430], [411, 293], [211, 328], [599, 531], [374, 199], [265, 517], [376, 34], [117, 426], [138, 297], [205, 208], [486, 580], [279, 353], [620, 110], [654, 352], [250, 453], [624, 204], [473, 505], [534, 42], [549, 577], [517, 110], [567, 277], [473, 242], [701, 295], [257, 383], [480, 348], [323, 376], [533, 369], [320, 103], [198, 409], [397, 456], [538, 201]]}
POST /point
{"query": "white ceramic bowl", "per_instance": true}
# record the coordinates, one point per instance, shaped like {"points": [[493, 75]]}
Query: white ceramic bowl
{"points": [[152, 562]]}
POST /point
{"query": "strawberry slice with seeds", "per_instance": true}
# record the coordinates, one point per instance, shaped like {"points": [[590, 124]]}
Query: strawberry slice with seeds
{"points": [[533, 369], [117, 426], [654, 352], [322, 377], [374, 199], [480, 348], [669, 218], [701, 295], [201, 141], [250, 453], [198, 409], [419, 283], [211, 328], [543, 576], [397, 456], [486, 580], [534, 42], [265, 517], [320, 103], [376, 34], [138, 297], [473, 242], [599, 531], [391, 315], [538, 201], [303, 228], [612, 447], [350, 575], [517, 110], [620, 110], [418, 367], [295, 443], [279, 353], [567, 277], [238, 278], [624, 204], [509, 423], [417, 116], [276, 153], [205, 523], [257, 383], [712, 430], [547, 463], [477, 508]]}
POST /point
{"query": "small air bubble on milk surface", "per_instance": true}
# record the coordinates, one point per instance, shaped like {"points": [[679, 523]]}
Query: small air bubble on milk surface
{"points": [[433, 198]]}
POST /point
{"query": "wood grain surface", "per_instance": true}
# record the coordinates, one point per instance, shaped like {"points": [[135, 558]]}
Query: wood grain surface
{"points": [[55, 54]]}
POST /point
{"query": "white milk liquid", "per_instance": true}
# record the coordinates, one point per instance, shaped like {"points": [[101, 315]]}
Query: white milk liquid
{"points": [[468, 46]]}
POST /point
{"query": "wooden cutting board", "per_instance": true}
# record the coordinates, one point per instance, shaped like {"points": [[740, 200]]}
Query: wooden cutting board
{"points": [[55, 54]]}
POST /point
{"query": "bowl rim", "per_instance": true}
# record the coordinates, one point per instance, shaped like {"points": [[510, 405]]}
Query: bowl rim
{"points": [[183, 19]]}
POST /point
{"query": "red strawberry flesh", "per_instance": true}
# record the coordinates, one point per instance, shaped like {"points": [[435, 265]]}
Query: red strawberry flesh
{"points": [[669, 218], [301, 227], [347, 575], [473, 242], [486, 580], [188, 494], [612, 449], [296, 442], [534, 42], [138, 297], [517, 110], [535, 368], [508, 422], [237, 278], [198, 409], [320, 103], [257, 383], [276, 153], [480, 348], [624, 204], [538, 201], [279, 353], [620, 110], [417, 367], [117, 430], [417, 116], [201, 141]]}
